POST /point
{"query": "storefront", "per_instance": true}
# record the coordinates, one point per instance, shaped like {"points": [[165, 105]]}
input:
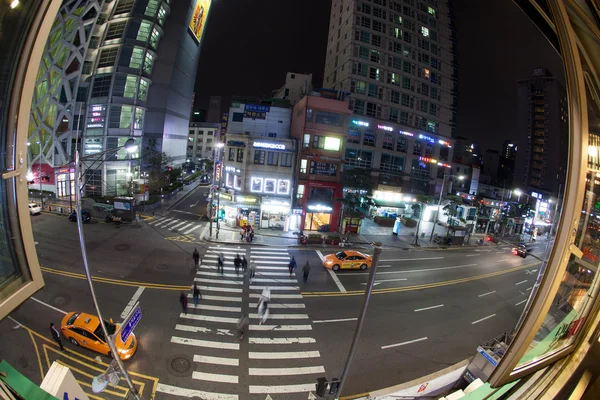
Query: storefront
{"points": [[248, 210], [274, 213], [65, 182], [318, 217], [392, 205]]}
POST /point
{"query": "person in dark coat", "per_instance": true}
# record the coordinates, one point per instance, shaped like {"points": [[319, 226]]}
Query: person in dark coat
{"points": [[196, 294], [237, 262], [184, 302], [196, 257], [244, 264], [56, 335], [306, 271]]}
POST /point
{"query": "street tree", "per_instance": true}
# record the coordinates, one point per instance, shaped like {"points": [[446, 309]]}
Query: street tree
{"points": [[359, 185], [157, 164]]}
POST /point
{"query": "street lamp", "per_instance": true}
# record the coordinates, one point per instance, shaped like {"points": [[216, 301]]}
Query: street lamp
{"points": [[518, 193], [219, 162], [130, 146], [437, 212]]}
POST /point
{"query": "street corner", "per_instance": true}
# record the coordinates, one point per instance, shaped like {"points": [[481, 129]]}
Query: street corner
{"points": [[184, 239]]}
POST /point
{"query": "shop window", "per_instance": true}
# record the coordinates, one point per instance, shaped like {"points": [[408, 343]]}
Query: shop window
{"points": [[326, 143], [388, 142], [286, 160], [269, 186], [256, 185], [303, 166], [231, 155], [319, 168], [369, 138], [259, 157], [401, 144], [283, 186], [240, 155], [319, 193], [272, 158]]}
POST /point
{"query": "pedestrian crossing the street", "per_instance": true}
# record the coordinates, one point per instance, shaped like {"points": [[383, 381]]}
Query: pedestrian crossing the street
{"points": [[279, 357], [176, 225]]}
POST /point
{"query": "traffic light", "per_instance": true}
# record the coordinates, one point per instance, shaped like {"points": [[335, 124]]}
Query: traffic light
{"points": [[321, 389], [334, 385]]}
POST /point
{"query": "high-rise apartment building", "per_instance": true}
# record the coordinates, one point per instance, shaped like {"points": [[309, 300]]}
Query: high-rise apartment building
{"points": [[398, 59], [114, 70], [509, 150], [542, 124]]}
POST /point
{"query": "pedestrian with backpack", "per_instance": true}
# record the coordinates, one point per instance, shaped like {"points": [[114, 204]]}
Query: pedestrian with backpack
{"points": [[292, 265]]}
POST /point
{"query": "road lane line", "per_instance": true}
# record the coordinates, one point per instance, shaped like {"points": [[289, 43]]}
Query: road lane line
{"points": [[282, 355], [217, 360], [429, 308], [483, 319], [191, 393], [474, 255], [403, 343], [336, 280], [290, 340], [277, 296], [280, 327], [132, 302], [485, 294], [205, 343], [521, 302], [323, 321], [416, 270], [286, 371], [210, 318], [49, 306], [519, 283], [388, 280], [412, 259], [204, 376], [281, 316], [529, 288], [305, 388]]}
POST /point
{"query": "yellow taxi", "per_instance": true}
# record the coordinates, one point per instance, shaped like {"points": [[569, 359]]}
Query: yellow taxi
{"points": [[84, 330], [347, 259]]}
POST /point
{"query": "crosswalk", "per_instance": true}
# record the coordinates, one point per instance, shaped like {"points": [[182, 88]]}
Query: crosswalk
{"points": [[174, 224], [279, 358]]}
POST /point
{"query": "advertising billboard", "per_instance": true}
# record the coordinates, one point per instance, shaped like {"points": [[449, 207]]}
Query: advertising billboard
{"points": [[198, 19]]}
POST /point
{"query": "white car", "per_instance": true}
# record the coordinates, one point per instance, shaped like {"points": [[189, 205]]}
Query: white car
{"points": [[34, 209]]}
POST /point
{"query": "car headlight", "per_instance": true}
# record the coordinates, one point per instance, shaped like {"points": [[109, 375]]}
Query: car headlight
{"points": [[328, 262]]}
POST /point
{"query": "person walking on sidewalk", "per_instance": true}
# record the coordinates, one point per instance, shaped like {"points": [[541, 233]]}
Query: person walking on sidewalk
{"points": [[184, 302], [244, 264], [196, 295], [220, 263], [292, 265], [306, 271], [196, 257], [252, 270], [56, 336], [237, 262]]}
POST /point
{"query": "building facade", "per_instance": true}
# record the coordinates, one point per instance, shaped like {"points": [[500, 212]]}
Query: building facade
{"points": [[254, 117], [295, 88], [202, 140], [398, 59], [542, 123]]}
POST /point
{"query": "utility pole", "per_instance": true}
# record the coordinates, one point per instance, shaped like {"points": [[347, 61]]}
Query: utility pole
{"points": [[40, 179]]}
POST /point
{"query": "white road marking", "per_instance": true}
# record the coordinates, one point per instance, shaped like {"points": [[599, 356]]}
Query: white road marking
{"points": [[209, 318], [276, 280], [217, 360], [206, 273], [413, 270], [284, 305], [164, 222], [204, 376], [132, 302], [282, 355], [280, 327], [220, 281], [277, 253], [521, 302], [156, 220], [485, 294], [215, 308], [474, 255], [277, 296], [259, 267], [269, 273], [254, 287], [429, 308], [195, 329], [171, 222], [305, 388], [483, 319], [269, 258], [519, 283], [204, 231], [336, 280], [291, 340], [215, 254], [205, 343], [403, 343], [323, 321], [179, 224], [220, 289], [412, 259], [271, 262], [386, 280], [191, 230], [49, 306], [268, 248], [189, 393], [529, 288], [286, 371], [281, 316], [500, 252]]}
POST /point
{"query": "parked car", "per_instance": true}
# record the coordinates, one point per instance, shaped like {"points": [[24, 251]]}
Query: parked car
{"points": [[85, 214], [520, 250], [34, 208]]}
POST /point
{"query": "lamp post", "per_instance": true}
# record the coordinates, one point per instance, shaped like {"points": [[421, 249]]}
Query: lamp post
{"points": [[219, 162], [130, 146], [437, 212]]}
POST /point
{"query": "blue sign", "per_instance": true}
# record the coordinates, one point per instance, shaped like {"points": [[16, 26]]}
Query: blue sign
{"points": [[130, 324], [256, 108], [487, 356], [428, 138]]}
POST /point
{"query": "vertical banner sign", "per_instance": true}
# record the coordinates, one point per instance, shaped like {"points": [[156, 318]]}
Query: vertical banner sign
{"points": [[218, 172], [224, 121], [198, 19]]}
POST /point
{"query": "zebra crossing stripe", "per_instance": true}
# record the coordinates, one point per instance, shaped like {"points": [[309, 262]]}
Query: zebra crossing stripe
{"points": [[259, 253], [156, 220], [206, 273], [275, 280], [305, 388], [282, 355], [254, 287], [268, 273], [269, 258], [191, 230], [191, 393], [209, 307], [179, 224], [269, 248], [218, 298], [221, 281], [209, 318], [204, 376], [286, 371], [290, 340], [171, 222], [282, 268], [184, 227], [270, 262], [163, 221], [217, 360], [281, 327], [224, 248], [282, 316], [283, 305], [205, 343], [277, 296], [221, 289]]}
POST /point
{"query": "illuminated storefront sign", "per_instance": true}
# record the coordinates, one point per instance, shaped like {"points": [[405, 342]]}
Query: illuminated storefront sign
{"points": [[198, 20], [392, 197], [273, 146], [297, 211], [235, 143], [319, 208], [360, 123], [385, 128], [441, 164], [428, 138], [246, 199], [537, 195], [225, 196], [444, 143], [428, 160], [270, 186], [96, 117], [218, 172], [229, 168], [406, 133], [256, 111]]}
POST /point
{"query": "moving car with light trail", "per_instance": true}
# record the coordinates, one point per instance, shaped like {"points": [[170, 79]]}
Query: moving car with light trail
{"points": [[347, 259]]}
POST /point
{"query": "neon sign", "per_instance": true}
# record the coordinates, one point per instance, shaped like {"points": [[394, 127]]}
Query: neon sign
{"points": [[360, 123], [385, 128], [441, 164], [444, 143], [428, 160], [265, 145], [428, 138], [406, 133], [319, 207]]}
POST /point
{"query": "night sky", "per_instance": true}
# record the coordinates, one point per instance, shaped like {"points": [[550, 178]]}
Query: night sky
{"points": [[249, 47]]}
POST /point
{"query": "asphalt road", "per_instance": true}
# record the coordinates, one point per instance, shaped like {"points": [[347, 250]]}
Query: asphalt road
{"points": [[429, 309], [193, 207]]}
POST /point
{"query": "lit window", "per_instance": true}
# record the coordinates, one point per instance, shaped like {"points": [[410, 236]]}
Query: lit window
{"points": [[424, 31], [130, 86], [144, 31], [332, 143], [431, 11], [143, 91], [137, 55], [148, 62], [426, 73]]}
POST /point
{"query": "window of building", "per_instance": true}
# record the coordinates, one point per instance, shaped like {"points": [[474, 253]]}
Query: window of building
{"points": [[328, 118], [319, 168], [101, 86], [391, 163], [364, 21], [162, 15], [417, 148], [432, 126], [369, 138], [376, 40], [407, 67], [120, 117], [143, 91], [138, 122], [424, 31], [286, 160], [404, 117], [137, 55], [115, 30], [432, 109], [405, 100], [393, 115], [108, 57], [259, 157], [371, 110], [358, 158], [388, 142], [374, 73], [303, 166], [377, 26], [401, 144], [358, 87], [144, 31], [375, 56], [326, 143], [131, 83], [395, 47], [405, 83], [272, 158], [154, 38], [359, 106], [434, 94], [424, 106], [240, 155], [393, 78], [124, 7], [394, 96], [373, 90], [231, 156], [300, 192], [364, 36], [151, 8], [424, 89], [148, 62], [306, 141], [395, 62]]}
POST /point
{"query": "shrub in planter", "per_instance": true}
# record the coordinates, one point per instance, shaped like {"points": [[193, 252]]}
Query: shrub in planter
{"points": [[333, 240], [384, 221], [409, 223], [314, 238]]}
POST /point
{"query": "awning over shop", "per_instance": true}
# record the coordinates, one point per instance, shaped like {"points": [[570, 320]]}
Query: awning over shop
{"points": [[391, 204]]}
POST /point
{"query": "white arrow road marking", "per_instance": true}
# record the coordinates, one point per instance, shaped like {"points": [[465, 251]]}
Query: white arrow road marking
{"points": [[311, 396], [194, 205]]}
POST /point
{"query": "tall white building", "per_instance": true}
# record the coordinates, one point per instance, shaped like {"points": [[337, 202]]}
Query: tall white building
{"points": [[202, 140], [398, 59], [295, 88]]}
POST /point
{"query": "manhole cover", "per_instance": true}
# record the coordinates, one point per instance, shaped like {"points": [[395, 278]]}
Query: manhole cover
{"points": [[180, 365], [22, 362], [162, 266], [62, 300], [122, 247]]}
